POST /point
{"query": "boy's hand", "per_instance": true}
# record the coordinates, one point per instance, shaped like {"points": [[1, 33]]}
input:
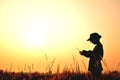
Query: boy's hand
{"points": [[82, 52]]}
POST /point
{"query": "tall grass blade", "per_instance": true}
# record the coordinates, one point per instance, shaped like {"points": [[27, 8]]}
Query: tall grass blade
{"points": [[84, 65]]}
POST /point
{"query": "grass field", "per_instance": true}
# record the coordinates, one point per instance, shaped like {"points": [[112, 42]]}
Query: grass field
{"points": [[72, 73], [65, 75]]}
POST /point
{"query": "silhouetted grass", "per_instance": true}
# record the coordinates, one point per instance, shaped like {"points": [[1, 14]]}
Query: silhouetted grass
{"points": [[66, 75], [71, 73]]}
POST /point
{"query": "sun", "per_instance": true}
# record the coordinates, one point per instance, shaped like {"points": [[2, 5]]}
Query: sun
{"points": [[35, 39], [41, 28], [36, 31]]}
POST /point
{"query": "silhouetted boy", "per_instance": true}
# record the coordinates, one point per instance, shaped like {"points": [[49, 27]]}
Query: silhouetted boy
{"points": [[96, 55]]}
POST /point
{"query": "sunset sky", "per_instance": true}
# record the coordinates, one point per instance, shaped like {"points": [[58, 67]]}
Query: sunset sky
{"points": [[35, 32]]}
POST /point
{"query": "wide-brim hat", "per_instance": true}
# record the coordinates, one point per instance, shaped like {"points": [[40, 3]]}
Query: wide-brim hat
{"points": [[94, 36]]}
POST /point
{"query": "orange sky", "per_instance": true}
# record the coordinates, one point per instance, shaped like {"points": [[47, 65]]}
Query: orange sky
{"points": [[31, 29]]}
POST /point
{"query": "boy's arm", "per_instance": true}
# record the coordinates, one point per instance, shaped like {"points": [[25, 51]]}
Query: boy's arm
{"points": [[86, 53]]}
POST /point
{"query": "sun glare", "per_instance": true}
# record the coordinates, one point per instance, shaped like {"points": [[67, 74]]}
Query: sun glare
{"points": [[36, 33], [35, 39], [40, 28]]}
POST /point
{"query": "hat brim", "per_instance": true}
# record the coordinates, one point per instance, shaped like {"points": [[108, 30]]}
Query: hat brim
{"points": [[88, 39]]}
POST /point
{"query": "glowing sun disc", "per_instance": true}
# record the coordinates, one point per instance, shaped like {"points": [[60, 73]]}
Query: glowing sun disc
{"points": [[35, 39]]}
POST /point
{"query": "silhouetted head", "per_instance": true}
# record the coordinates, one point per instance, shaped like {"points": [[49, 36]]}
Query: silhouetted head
{"points": [[94, 38]]}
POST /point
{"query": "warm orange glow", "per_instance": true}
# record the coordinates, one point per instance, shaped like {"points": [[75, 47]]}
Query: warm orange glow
{"points": [[33, 30]]}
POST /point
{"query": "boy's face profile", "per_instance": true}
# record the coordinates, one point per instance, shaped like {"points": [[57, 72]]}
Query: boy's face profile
{"points": [[94, 41]]}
